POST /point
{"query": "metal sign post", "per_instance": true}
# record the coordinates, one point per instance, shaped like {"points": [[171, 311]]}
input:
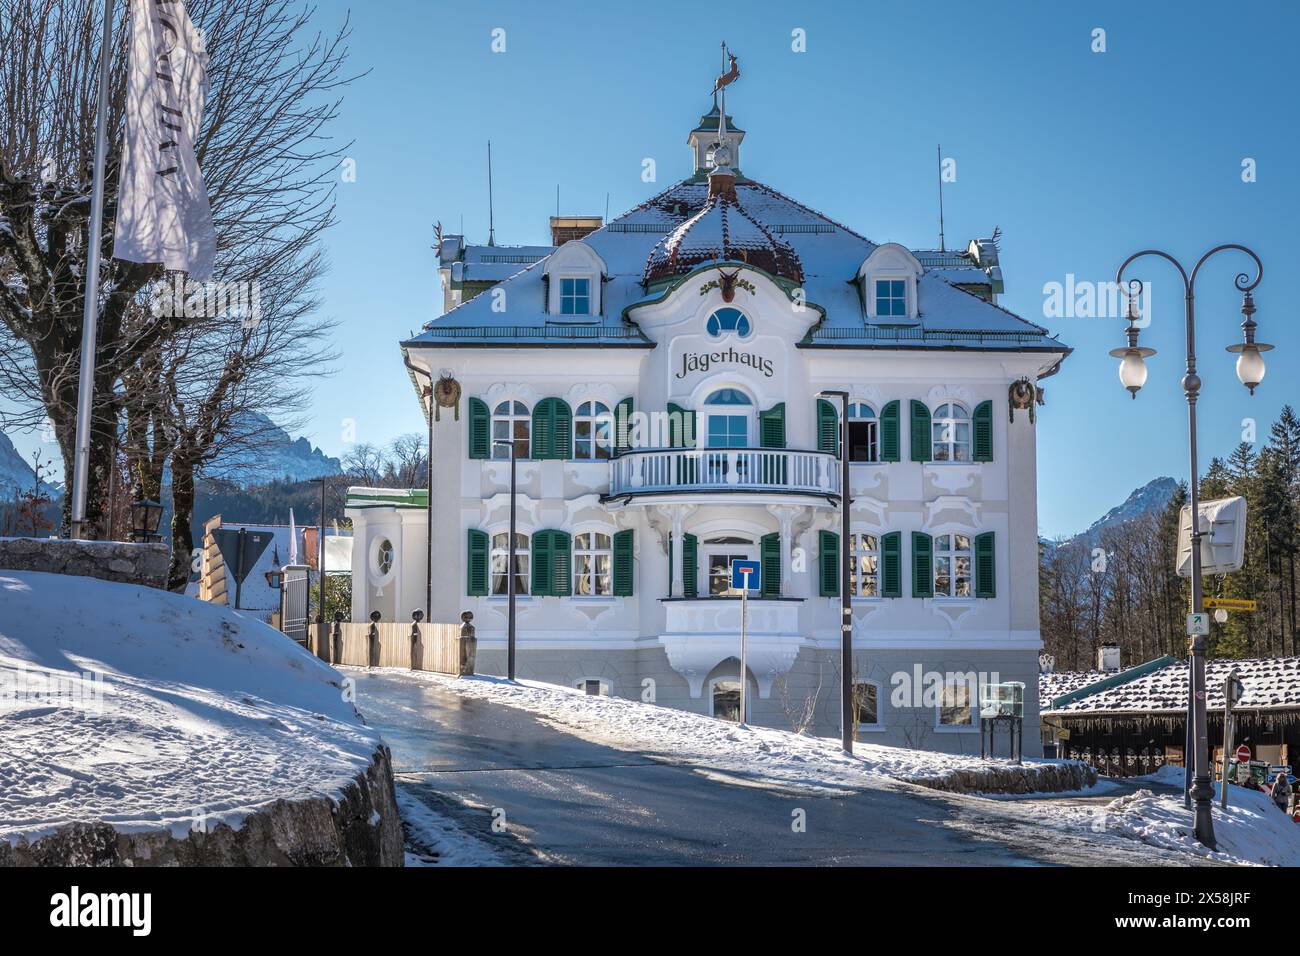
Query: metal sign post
{"points": [[741, 574], [1232, 692]]}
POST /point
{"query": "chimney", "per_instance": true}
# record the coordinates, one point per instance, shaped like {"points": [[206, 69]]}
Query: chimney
{"points": [[567, 228], [1108, 658]]}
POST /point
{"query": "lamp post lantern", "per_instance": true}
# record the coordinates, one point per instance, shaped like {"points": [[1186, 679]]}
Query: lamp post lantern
{"points": [[510, 559], [846, 594], [1250, 370]]}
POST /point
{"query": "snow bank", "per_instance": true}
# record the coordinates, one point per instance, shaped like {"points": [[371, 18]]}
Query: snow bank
{"points": [[1251, 830], [763, 754], [151, 711]]}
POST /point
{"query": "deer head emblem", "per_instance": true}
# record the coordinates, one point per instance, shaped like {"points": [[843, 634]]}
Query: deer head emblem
{"points": [[728, 284]]}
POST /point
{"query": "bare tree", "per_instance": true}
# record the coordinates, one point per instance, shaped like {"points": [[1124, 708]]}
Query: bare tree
{"points": [[267, 160]]}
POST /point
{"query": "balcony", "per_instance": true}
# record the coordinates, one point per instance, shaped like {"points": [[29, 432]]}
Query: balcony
{"points": [[724, 470]]}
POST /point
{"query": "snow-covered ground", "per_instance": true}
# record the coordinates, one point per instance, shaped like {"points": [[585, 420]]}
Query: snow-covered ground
{"points": [[151, 710], [759, 753], [1252, 830]]}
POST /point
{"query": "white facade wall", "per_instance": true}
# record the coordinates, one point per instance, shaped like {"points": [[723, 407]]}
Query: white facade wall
{"points": [[656, 644]]}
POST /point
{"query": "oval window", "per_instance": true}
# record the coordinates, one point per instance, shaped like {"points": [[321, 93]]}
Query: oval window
{"points": [[728, 320], [384, 557]]}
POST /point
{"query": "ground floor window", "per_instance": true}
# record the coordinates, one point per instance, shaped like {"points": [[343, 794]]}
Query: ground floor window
{"points": [[501, 560], [726, 698], [594, 687], [593, 559], [957, 705], [866, 700]]}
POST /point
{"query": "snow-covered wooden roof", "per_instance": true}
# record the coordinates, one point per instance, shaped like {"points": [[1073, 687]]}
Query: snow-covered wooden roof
{"points": [[1270, 684]]}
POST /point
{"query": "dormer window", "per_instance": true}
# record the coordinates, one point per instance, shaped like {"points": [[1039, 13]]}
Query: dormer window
{"points": [[888, 283], [575, 296], [573, 282], [891, 298]]}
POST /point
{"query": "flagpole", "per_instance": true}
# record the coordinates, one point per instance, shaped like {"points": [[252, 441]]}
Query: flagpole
{"points": [[90, 313]]}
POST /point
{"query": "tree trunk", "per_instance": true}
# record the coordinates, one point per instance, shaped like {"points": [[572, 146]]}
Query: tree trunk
{"points": [[178, 574]]}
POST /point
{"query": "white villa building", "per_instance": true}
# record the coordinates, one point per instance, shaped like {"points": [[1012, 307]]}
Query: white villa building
{"points": [[659, 378]]}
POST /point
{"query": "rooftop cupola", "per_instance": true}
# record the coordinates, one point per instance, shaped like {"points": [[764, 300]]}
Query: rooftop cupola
{"points": [[716, 132]]}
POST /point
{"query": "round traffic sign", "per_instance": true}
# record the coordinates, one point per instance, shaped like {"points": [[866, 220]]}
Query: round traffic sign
{"points": [[1243, 754]]}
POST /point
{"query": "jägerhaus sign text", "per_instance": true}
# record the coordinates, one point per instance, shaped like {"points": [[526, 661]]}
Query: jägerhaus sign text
{"points": [[693, 362]]}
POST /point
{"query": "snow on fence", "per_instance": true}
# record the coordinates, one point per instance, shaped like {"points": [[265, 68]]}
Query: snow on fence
{"points": [[442, 648]]}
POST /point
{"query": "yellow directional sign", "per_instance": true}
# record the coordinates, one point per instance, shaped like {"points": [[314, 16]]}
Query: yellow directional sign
{"points": [[1230, 604]]}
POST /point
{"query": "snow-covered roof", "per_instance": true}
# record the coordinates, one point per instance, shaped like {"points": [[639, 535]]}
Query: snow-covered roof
{"points": [[829, 253], [1270, 684]]}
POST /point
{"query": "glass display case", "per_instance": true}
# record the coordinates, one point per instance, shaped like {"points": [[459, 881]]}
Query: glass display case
{"points": [[1002, 700]]}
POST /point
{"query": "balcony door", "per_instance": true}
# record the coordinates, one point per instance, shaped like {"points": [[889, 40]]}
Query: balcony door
{"points": [[729, 418]]}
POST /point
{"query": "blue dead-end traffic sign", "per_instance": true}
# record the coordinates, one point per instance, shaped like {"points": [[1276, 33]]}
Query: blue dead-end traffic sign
{"points": [[739, 569]]}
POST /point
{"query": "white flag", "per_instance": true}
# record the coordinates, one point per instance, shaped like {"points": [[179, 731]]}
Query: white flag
{"points": [[162, 212], [293, 540]]}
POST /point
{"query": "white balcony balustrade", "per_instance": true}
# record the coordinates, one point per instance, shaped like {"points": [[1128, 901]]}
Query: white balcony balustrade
{"points": [[778, 470]]}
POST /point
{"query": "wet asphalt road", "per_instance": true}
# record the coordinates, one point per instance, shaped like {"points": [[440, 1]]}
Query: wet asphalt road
{"points": [[570, 801]]}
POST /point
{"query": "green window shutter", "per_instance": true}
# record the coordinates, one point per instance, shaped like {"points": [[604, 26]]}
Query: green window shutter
{"points": [[543, 564], [681, 426], [922, 565], [476, 563], [624, 565], [561, 564], [828, 428], [889, 437], [543, 423], [690, 565], [920, 431], [480, 429], [982, 432], [552, 429], [891, 564], [771, 427], [769, 552], [561, 429], [985, 566], [623, 427], [828, 563]]}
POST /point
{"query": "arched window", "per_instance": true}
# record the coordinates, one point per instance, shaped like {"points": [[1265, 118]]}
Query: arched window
{"points": [[725, 698], [593, 562], [952, 566], [951, 433], [593, 431], [864, 564], [729, 413], [864, 433], [511, 422], [501, 560], [728, 320]]}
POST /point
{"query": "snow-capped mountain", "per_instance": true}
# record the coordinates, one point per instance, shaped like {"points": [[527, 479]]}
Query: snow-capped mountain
{"points": [[277, 456], [16, 472], [1154, 496]]}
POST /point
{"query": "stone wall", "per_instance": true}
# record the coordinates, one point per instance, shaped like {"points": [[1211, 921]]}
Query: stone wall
{"points": [[360, 827], [108, 560], [1055, 776]]}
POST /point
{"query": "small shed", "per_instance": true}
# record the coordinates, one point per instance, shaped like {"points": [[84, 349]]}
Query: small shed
{"points": [[1135, 721]]}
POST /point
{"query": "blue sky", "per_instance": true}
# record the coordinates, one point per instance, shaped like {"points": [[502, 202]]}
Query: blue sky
{"points": [[1080, 157]]}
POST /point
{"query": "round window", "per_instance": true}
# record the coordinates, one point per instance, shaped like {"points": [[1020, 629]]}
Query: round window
{"points": [[728, 320], [384, 557]]}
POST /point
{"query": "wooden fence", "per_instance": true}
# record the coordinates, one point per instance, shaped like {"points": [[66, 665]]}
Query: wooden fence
{"points": [[443, 648]]}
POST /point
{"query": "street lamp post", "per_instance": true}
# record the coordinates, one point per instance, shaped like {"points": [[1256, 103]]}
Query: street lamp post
{"points": [[1133, 374], [510, 562], [846, 595]]}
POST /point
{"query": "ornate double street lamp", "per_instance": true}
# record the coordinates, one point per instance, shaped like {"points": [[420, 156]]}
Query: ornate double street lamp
{"points": [[1133, 375], [510, 560]]}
